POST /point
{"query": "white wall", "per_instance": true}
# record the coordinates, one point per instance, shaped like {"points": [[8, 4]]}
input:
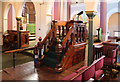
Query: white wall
{"points": [[113, 24], [112, 7], [1, 23], [43, 19], [96, 23], [17, 10], [76, 8], [43, 16]]}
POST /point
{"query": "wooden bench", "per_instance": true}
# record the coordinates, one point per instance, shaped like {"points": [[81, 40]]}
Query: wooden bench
{"points": [[87, 72]]}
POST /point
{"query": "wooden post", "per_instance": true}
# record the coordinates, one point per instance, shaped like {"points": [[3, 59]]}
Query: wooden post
{"points": [[44, 48], [58, 49], [80, 34], [83, 34], [62, 32], [77, 34], [53, 24], [18, 31], [40, 45], [48, 42], [59, 31]]}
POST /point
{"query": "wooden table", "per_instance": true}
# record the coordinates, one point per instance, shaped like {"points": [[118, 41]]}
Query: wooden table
{"points": [[17, 50]]}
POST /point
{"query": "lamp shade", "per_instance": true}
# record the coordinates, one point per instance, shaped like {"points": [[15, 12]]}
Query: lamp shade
{"points": [[91, 5]]}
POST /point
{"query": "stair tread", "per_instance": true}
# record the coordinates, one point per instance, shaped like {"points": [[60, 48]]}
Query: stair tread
{"points": [[31, 35], [50, 62]]}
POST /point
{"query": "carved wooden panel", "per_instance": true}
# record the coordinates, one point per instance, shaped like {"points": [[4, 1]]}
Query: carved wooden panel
{"points": [[24, 37]]}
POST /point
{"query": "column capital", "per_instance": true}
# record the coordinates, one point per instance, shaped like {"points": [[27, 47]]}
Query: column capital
{"points": [[91, 14], [18, 18]]}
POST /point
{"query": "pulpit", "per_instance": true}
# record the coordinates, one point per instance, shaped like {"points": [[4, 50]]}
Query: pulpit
{"points": [[24, 37]]}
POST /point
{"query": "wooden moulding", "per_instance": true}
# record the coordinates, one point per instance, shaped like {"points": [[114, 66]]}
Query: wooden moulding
{"points": [[71, 56]]}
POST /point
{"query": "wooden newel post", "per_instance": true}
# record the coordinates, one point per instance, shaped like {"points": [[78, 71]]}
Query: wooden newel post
{"points": [[40, 45], [58, 49]]}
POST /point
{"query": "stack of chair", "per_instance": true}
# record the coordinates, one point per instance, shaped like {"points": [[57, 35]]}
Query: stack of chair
{"points": [[87, 72], [110, 59], [110, 50]]}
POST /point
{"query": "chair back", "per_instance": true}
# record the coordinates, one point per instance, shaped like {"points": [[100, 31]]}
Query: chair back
{"points": [[89, 72], [112, 53], [99, 63], [72, 75]]}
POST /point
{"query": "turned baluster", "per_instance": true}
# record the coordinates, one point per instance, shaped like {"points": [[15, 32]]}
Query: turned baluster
{"points": [[80, 34], [72, 39], [58, 49], [44, 48], [40, 46], [59, 31], [77, 40], [62, 32], [48, 42], [83, 35]]}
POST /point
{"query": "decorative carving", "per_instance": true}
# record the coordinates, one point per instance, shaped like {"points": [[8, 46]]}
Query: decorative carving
{"points": [[58, 50], [40, 46]]}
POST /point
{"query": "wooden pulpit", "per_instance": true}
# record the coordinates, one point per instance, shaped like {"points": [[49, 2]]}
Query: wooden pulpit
{"points": [[24, 37]]}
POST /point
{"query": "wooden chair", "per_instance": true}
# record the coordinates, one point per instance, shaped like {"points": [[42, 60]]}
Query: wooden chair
{"points": [[110, 60]]}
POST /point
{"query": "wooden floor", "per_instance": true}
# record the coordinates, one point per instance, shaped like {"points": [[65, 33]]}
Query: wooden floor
{"points": [[28, 72]]}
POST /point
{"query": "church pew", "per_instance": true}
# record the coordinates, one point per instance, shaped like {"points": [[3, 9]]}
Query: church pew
{"points": [[86, 72]]}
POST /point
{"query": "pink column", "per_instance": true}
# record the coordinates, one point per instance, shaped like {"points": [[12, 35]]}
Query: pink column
{"points": [[57, 10], [68, 9], [10, 18], [103, 10]]}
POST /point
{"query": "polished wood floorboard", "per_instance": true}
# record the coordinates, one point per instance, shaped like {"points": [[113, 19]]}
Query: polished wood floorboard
{"points": [[28, 72]]}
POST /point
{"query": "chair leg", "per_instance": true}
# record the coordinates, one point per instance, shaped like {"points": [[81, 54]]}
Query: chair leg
{"points": [[110, 71]]}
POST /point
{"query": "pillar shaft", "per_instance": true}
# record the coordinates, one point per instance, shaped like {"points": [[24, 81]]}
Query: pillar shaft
{"points": [[90, 15], [68, 9], [18, 32], [103, 10]]}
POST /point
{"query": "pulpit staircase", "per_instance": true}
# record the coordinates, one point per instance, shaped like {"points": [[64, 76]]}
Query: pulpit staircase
{"points": [[64, 45]]}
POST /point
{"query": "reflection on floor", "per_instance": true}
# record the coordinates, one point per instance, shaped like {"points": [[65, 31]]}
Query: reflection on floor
{"points": [[28, 72]]}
